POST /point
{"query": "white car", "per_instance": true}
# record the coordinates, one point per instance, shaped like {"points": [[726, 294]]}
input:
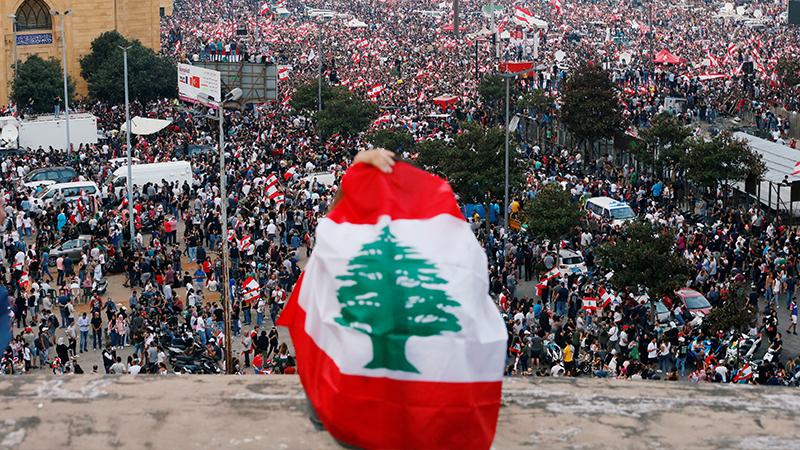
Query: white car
{"points": [[571, 262]]}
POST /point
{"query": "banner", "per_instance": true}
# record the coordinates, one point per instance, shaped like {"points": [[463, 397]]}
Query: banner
{"points": [[199, 85]]}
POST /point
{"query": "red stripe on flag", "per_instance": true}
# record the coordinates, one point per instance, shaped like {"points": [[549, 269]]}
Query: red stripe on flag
{"points": [[389, 413], [374, 187]]}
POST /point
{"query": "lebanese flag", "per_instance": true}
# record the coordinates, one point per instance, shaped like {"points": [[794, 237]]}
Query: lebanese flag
{"points": [[264, 9], [24, 281], [744, 374], [523, 16], [375, 91], [246, 245], [551, 274], [283, 73], [250, 290], [796, 169], [391, 319], [589, 303], [556, 4], [605, 297], [290, 173]]}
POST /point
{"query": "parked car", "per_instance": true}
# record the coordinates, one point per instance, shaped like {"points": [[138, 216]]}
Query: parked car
{"points": [[49, 175], [694, 301], [72, 248], [663, 314], [60, 193], [571, 262]]}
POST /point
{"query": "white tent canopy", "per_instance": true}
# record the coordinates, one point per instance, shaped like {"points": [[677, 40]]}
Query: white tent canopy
{"points": [[355, 23], [144, 126]]}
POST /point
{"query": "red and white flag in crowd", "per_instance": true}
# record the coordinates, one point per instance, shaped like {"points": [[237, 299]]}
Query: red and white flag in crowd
{"points": [[375, 91], [556, 4], [589, 303], [290, 173], [744, 374], [286, 101], [386, 118], [246, 245], [523, 16], [712, 60], [264, 9], [24, 281], [272, 179], [551, 274], [796, 169], [250, 290], [605, 297], [283, 73], [730, 53], [391, 320]]}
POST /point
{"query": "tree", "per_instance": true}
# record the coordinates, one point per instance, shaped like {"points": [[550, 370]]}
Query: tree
{"points": [[536, 101], [788, 70], [666, 140], [344, 114], [473, 163], [395, 139], [552, 213], [305, 97], [734, 314], [150, 76], [39, 83], [590, 104], [492, 90], [390, 293], [643, 256], [722, 160]]}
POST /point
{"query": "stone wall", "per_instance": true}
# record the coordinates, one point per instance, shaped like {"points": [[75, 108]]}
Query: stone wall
{"points": [[263, 412]]}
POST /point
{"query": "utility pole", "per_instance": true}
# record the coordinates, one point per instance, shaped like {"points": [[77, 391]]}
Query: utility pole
{"points": [[64, 65], [226, 301], [494, 31], [456, 18], [505, 201], [477, 74], [319, 73], [131, 226]]}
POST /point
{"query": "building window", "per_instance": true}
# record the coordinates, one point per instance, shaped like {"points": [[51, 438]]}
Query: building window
{"points": [[161, 12], [33, 15]]}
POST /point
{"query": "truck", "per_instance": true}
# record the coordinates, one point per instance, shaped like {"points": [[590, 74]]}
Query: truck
{"points": [[49, 131], [155, 173]]}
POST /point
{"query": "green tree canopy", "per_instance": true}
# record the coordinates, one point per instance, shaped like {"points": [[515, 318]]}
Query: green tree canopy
{"points": [[552, 213], [395, 139], [644, 256], [788, 70], [344, 113], [722, 160], [666, 140], [304, 97], [535, 101], [150, 76], [473, 163], [733, 314], [39, 83], [590, 104]]}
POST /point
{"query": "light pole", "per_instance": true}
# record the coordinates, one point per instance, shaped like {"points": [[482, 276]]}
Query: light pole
{"points": [[13, 18], [64, 64], [131, 226], [226, 303], [508, 122], [319, 71]]}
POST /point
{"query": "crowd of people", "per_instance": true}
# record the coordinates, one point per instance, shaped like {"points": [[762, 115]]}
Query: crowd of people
{"points": [[281, 177]]}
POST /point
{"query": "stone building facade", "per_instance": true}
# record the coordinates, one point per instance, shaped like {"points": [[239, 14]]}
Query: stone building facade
{"points": [[29, 27]]}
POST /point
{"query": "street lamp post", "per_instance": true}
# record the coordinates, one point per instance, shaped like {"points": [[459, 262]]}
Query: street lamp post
{"points": [[64, 66], [226, 301], [128, 143], [508, 126]]}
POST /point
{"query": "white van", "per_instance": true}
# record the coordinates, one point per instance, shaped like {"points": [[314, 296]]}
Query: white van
{"points": [[65, 193], [607, 208], [155, 173]]}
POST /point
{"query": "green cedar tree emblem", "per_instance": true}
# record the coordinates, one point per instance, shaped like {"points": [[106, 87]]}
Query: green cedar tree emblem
{"points": [[390, 294]]}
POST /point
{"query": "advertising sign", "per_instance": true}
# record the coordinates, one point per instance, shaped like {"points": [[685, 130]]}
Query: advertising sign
{"points": [[199, 85]]}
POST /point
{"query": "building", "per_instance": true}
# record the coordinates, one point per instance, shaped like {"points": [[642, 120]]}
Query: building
{"points": [[33, 27]]}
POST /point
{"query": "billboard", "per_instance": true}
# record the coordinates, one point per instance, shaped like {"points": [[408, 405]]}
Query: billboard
{"points": [[199, 85], [259, 82]]}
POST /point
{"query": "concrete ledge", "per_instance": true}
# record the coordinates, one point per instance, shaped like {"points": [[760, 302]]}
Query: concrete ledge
{"points": [[209, 412]]}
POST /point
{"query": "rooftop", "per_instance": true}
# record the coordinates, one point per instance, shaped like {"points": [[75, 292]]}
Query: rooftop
{"points": [[258, 412]]}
